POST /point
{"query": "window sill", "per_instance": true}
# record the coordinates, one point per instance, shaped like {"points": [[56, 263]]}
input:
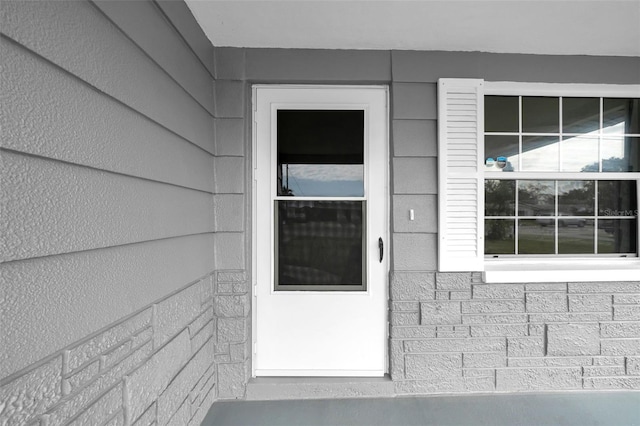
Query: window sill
{"points": [[561, 270]]}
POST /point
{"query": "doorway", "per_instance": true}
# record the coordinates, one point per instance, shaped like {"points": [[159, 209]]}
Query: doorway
{"points": [[320, 230]]}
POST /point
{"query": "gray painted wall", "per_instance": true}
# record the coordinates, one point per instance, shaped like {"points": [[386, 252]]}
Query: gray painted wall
{"points": [[108, 213], [126, 168]]}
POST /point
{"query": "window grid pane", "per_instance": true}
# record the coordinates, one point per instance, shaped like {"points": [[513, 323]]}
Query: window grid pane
{"points": [[559, 135]]}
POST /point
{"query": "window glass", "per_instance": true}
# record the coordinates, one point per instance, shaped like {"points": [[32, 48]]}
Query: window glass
{"points": [[621, 116], [499, 235], [540, 115], [536, 236], [500, 198], [501, 114], [576, 198], [617, 236], [321, 153], [620, 154], [536, 198], [579, 154], [501, 146], [617, 198], [580, 115], [575, 236], [540, 153]]}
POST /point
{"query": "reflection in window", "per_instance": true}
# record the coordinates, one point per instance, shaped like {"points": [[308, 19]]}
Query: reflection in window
{"points": [[321, 153], [540, 153]]}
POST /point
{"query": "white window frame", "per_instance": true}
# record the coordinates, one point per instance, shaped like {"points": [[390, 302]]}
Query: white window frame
{"points": [[518, 269]]}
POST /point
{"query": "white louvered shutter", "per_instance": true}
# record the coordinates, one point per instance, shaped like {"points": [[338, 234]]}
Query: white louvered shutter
{"points": [[461, 183]]}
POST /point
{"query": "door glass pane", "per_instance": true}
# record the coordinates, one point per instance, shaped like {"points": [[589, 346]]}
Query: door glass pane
{"points": [[319, 245], [320, 153]]}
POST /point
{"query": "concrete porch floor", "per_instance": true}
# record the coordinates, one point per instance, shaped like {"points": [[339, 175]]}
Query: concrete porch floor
{"points": [[616, 408]]}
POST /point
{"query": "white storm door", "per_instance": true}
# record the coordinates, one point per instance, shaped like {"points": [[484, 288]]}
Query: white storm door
{"points": [[320, 230]]}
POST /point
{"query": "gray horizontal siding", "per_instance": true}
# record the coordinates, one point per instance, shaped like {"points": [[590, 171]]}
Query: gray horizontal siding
{"points": [[54, 114], [108, 176], [77, 37], [54, 301], [184, 22], [51, 208], [161, 41], [293, 65], [428, 67]]}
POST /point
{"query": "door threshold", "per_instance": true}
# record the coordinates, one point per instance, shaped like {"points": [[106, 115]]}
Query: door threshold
{"points": [[287, 388]]}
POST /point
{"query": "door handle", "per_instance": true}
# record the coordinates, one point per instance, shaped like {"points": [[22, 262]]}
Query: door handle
{"points": [[381, 248]]}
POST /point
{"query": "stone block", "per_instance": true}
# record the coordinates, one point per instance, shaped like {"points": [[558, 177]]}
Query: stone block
{"points": [[452, 332], [573, 339], [626, 312], [603, 371], [415, 175], [228, 212], [489, 344], [492, 306], [146, 383], [633, 365], [230, 306], [440, 312], [117, 420], [239, 351], [498, 291], [116, 355], [29, 395], [181, 415], [620, 329], [229, 137], [626, 299], [231, 380], [396, 359], [81, 378], [232, 330], [78, 403], [617, 383], [452, 385], [405, 306], [536, 329], [93, 347], [412, 286], [620, 347], [414, 101], [525, 346], [453, 281], [205, 317], [414, 332], [405, 318], [175, 313], [548, 361], [570, 317], [557, 287], [438, 367], [142, 337], [425, 218], [497, 330], [415, 138], [546, 302], [460, 295], [494, 319], [180, 387], [202, 336], [607, 288], [608, 360], [484, 360], [103, 409], [231, 277], [479, 372], [530, 379], [148, 418], [589, 302], [443, 295]]}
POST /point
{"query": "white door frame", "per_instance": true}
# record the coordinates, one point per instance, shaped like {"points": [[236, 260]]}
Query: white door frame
{"points": [[380, 168]]}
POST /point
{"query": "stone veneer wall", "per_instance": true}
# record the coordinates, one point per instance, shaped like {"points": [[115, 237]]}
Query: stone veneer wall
{"points": [[154, 367], [452, 333]]}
